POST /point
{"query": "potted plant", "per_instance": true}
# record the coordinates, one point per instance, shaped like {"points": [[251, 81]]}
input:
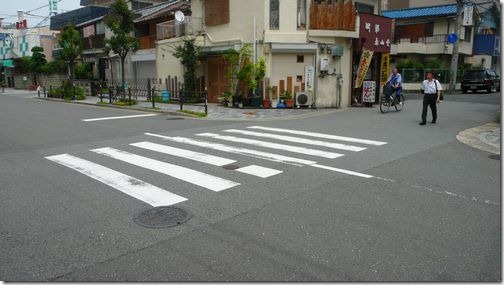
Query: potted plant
{"points": [[289, 102], [225, 99], [267, 102]]}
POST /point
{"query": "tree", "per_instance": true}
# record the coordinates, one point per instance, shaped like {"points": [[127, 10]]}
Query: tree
{"points": [[37, 61], [70, 43], [120, 21], [189, 54]]}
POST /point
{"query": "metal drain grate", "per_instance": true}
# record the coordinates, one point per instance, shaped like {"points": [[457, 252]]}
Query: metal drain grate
{"points": [[494, 156], [162, 217], [174, 118]]}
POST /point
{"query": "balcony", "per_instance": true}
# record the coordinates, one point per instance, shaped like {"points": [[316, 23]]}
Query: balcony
{"points": [[148, 42], [435, 44], [175, 29], [93, 42], [332, 15]]}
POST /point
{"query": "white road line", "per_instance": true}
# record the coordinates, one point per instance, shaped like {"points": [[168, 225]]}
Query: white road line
{"points": [[186, 174], [206, 158], [349, 172], [299, 140], [192, 155], [319, 135], [119, 117], [259, 171], [242, 151], [136, 188], [284, 147]]}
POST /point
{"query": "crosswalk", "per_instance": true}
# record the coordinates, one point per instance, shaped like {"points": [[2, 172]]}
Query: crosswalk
{"points": [[321, 147]]}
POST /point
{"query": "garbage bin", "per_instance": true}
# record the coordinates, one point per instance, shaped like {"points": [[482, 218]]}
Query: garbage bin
{"points": [[165, 94]]}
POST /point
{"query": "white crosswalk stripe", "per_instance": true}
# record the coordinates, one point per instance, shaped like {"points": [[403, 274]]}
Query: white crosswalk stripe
{"points": [[192, 155], [186, 174], [285, 147], [298, 140], [255, 170], [237, 150], [319, 135], [159, 197], [136, 188]]}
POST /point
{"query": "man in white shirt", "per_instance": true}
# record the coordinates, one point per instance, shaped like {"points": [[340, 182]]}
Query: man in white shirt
{"points": [[432, 90]]}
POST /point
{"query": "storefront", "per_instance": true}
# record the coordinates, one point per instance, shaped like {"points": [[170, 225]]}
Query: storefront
{"points": [[371, 59]]}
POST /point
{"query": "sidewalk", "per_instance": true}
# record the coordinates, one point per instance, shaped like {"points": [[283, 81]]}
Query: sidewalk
{"points": [[486, 137], [215, 111]]}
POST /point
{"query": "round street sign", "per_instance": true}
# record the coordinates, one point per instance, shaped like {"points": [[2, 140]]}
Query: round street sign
{"points": [[452, 38]]}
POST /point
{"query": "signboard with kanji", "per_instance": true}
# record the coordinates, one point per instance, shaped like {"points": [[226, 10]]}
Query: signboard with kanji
{"points": [[368, 91], [375, 32], [385, 67], [364, 63]]}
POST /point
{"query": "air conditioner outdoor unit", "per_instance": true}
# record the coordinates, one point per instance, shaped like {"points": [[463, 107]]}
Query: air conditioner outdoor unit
{"points": [[304, 98]]}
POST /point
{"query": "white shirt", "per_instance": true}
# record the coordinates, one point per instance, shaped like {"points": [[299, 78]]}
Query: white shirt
{"points": [[429, 87]]}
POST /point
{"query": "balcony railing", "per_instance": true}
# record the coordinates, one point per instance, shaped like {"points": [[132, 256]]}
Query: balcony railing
{"points": [[147, 42], [435, 39], [93, 42], [174, 29]]}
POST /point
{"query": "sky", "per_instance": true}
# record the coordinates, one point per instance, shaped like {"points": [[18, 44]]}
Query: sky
{"points": [[9, 8]]}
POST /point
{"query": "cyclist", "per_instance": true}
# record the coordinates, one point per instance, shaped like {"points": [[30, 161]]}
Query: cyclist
{"points": [[395, 80]]}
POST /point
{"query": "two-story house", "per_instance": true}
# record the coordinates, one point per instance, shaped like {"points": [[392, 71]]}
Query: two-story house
{"points": [[307, 44]]}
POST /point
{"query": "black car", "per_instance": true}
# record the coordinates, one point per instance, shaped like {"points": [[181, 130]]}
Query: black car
{"points": [[480, 79]]}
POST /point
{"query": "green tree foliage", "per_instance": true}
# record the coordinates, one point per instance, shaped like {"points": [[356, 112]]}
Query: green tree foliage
{"points": [[243, 74], [37, 61], [83, 71], [22, 65], [120, 21], [56, 66], [70, 43], [189, 54]]}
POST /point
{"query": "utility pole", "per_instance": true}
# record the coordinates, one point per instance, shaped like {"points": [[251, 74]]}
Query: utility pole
{"points": [[455, 51]]}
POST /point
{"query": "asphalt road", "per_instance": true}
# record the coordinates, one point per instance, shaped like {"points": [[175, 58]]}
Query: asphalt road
{"points": [[430, 212]]}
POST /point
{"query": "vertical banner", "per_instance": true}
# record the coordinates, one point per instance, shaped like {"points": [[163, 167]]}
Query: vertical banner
{"points": [[368, 91], [309, 78], [364, 63], [468, 16], [385, 67]]}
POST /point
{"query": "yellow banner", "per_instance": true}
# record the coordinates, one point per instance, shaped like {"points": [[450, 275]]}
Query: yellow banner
{"points": [[364, 63], [385, 67]]}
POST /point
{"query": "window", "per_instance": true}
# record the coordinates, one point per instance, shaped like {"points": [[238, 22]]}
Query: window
{"points": [[100, 28], [274, 14], [468, 34], [364, 8], [300, 58], [301, 14]]}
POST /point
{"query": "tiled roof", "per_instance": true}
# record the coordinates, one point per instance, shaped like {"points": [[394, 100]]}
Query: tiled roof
{"points": [[443, 10], [153, 11]]}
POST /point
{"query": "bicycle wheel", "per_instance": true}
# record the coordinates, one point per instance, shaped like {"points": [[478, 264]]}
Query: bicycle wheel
{"points": [[384, 104], [400, 105]]}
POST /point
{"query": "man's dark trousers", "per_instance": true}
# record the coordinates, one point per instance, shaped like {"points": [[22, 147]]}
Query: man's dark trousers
{"points": [[429, 100]]}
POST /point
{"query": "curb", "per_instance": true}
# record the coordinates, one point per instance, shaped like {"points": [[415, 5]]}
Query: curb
{"points": [[475, 137], [171, 113]]}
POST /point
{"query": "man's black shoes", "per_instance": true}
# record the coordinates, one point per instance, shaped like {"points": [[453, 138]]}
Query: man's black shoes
{"points": [[433, 121], [422, 124]]}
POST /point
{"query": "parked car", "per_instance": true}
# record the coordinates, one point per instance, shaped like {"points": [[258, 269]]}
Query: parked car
{"points": [[480, 79]]}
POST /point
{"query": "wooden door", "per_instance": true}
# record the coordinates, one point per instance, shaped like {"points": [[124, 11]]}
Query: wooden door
{"points": [[217, 83]]}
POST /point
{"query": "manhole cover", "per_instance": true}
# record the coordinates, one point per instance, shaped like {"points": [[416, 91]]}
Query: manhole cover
{"points": [[494, 156], [174, 118], [231, 167], [162, 217]]}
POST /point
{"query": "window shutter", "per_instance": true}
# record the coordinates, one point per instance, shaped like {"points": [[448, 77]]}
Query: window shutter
{"points": [[216, 12]]}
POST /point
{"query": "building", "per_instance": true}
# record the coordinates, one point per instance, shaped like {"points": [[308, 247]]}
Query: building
{"points": [[307, 44]]}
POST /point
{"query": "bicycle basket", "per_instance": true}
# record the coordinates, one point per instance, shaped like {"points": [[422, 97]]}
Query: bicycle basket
{"points": [[388, 89]]}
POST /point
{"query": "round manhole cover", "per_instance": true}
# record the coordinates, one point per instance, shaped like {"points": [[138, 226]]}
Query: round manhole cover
{"points": [[231, 167], [494, 156], [174, 118], [162, 217]]}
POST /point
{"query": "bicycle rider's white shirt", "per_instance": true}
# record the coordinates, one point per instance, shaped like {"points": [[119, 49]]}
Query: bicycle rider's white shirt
{"points": [[429, 87]]}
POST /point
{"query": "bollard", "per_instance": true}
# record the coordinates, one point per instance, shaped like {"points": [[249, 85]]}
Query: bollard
{"points": [[129, 95], [153, 97], [206, 102], [110, 94], [101, 96], [45, 94]]}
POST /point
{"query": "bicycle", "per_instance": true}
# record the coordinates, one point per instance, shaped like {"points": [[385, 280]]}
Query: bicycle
{"points": [[388, 99]]}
